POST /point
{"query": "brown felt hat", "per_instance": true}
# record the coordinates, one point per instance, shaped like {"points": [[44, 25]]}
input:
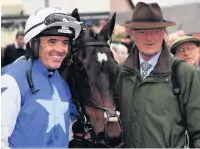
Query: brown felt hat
{"points": [[148, 16]]}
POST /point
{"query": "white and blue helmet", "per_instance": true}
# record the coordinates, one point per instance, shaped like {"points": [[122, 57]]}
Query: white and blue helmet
{"points": [[51, 17]]}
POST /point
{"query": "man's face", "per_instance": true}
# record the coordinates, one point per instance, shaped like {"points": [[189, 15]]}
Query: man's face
{"points": [[189, 52], [53, 50], [20, 41], [149, 42], [123, 53]]}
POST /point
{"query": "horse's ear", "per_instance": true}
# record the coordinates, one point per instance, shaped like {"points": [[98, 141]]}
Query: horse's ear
{"points": [[107, 30], [75, 14]]}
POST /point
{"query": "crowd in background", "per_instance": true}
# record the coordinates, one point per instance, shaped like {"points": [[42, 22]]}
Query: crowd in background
{"points": [[122, 43]]}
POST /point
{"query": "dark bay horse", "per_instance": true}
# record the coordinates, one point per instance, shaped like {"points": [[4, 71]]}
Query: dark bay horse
{"points": [[91, 74]]}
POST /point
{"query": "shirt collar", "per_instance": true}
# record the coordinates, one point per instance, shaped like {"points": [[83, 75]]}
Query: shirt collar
{"points": [[17, 46], [153, 61], [42, 68]]}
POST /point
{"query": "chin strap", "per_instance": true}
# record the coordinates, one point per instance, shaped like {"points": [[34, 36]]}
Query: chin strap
{"points": [[29, 78]]}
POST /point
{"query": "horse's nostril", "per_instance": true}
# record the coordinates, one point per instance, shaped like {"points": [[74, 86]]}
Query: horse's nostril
{"points": [[101, 136]]}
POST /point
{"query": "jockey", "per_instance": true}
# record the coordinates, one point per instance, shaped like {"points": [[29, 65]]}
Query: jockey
{"points": [[35, 100]]}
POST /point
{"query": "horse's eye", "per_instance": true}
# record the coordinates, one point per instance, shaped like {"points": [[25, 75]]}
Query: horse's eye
{"points": [[81, 69]]}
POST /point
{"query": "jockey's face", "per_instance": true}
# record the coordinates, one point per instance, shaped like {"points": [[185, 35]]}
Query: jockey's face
{"points": [[53, 50]]}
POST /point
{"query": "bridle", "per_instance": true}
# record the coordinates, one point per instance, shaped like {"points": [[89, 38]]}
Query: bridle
{"points": [[107, 111]]}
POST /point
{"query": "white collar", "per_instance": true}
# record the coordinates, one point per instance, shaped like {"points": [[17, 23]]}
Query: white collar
{"points": [[153, 61], [17, 46]]}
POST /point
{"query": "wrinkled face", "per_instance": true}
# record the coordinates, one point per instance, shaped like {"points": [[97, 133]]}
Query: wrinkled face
{"points": [[149, 42], [189, 52], [53, 50], [96, 79], [20, 41]]}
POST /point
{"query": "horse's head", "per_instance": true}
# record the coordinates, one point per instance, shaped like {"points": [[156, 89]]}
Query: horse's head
{"points": [[94, 76]]}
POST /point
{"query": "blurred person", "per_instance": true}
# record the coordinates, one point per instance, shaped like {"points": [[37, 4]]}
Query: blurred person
{"points": [[151, 113], [36, 101], [2, 56], [173, 36], [180, 33], [120, 52], [101, 24], [88, 24], [14, 51], [119, 32], [187, 48], [127, 29], [128, 41], [122, 34], [196, 35]]}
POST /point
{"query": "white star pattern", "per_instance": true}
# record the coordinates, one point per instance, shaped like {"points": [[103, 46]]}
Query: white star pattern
{"points": [[56, 109], [101, 57]]}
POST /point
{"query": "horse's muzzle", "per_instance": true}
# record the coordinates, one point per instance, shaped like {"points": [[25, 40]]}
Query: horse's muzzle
{"points": [[112, 116]]}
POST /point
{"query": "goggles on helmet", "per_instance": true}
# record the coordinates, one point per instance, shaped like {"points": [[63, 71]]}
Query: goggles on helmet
{"points": [[54, 18], [58, 17]]}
